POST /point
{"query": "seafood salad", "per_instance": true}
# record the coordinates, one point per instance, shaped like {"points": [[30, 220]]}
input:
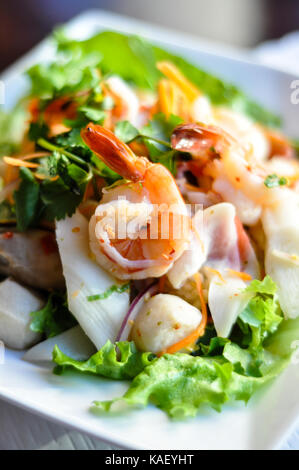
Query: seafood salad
{"points": [[149, 227]]}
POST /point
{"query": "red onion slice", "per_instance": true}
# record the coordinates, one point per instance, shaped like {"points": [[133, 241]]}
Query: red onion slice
{"points": [[134, 310]]}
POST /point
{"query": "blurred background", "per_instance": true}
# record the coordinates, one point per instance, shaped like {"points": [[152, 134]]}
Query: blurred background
{"points": [[243, 23]]}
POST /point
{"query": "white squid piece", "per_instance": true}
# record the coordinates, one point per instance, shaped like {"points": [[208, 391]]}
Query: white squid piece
{"points": [[99, 319], [224, 251], [281, 226], [16, 305]]}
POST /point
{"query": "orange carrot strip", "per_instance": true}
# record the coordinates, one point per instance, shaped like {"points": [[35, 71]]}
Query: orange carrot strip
{"points": [[241, 275], [214, 271], [32, 156], [191, 187], [17, 162], [39, 176], [164, 97], [174, 74], [198, 331]]}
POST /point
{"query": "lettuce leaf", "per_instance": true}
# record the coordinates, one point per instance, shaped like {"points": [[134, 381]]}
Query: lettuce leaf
{"points": [[285, 340], [54, 317], [118, 50], [12, 127], [220, 371], [262, 315], [180, 384], [120, 361]]}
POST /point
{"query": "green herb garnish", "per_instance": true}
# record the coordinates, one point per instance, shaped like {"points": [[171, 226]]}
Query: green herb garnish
{"points": [[273, 181], [108, 292]]}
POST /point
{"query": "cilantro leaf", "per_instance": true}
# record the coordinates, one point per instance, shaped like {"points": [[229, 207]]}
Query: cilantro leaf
{"points": [[92, 113], [67, 75], [38, 130], [26, 199], [160, 128], [108, 292], [273, 181], [59, 201], [125, 131], [7, 213], [53, 318], [70, 139]]}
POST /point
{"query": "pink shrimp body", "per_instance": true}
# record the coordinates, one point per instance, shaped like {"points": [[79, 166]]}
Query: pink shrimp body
{"points": [[141, 202]]}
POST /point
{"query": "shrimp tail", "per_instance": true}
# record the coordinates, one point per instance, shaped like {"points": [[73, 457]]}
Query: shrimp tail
{"points": [[113, 152], [199, 139]]}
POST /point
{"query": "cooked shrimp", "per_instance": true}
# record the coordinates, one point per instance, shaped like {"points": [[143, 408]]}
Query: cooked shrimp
{"points": [[55, 114], [127, 235], [126, 103], [232, 160]]}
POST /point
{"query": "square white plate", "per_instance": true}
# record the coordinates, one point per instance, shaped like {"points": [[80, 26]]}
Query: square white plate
{"points": [[265, 422]]}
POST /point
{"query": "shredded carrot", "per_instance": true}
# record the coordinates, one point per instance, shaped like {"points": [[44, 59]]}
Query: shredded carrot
{"points": [[199, 331], [172, 100], [42, 177], [175, 75], [214, 271], [18, 162], [191, 187], [241, 275], [32, 156], [164, 97], [10, 174]]}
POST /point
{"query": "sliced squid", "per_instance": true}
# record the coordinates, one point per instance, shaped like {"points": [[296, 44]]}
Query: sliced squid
{"points": [[248, 211], [225, 255], [73, 343], [16, 305], [281, 227], [226, 301], [99, 319], [231, 263]]}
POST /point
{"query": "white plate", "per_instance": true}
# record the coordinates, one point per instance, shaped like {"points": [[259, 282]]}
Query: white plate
{"points": [[264, 423]]}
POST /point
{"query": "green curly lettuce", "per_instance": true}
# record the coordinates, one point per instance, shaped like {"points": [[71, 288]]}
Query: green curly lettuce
{"points": [[179, 384], [221, 370], [120, 361], [262, 315]]}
